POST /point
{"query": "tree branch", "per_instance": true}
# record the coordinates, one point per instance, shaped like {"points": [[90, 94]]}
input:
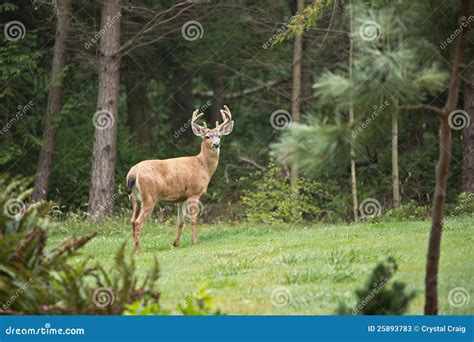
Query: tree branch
{"points": [[424, 106], [242, 93], [252, 163]]}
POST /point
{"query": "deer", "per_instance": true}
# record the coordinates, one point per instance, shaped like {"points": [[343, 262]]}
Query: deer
{"points": [[180, 180]]}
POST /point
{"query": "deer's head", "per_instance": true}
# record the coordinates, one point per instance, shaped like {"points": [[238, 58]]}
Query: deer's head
{"points": [[212, 136]]}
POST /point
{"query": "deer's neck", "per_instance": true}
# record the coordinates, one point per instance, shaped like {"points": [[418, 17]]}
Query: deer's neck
{"points": [[209, 157]]}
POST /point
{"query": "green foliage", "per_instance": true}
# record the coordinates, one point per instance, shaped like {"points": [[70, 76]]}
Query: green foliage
{"points": [[312, 146], [200, 303], [376, 298], [409, 210], [38, 279], [275, 199]]}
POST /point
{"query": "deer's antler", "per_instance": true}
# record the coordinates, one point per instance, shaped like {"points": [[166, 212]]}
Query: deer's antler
{"points": [[196, 117], [226, 116]]}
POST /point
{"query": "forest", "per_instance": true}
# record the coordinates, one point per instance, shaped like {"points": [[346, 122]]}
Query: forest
{"points": [[341, 164]]}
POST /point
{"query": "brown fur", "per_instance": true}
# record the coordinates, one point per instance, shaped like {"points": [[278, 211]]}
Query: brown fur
{"points": [[176, 180]]}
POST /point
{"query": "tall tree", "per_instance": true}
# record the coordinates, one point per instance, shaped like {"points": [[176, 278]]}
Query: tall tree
{"points": [[355, 201], [297, 80], [218, 85], [395, 173], [442, 169], [105, 119], [138, 107], [468, 137], [50, 124]]}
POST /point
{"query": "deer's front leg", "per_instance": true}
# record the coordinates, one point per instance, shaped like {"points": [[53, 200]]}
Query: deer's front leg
{"points": [[180, 224], [193, 210]]}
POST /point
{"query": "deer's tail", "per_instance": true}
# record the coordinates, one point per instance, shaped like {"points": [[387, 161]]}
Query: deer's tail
{"points": [[130, 184]]}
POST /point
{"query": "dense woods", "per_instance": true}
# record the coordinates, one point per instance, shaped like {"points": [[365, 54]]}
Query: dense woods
{"points": [[345, 111]]}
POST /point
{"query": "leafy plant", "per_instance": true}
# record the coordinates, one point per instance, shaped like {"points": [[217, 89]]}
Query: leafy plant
{"points": [[200, 303], [376, 298], [36, 279], [275, 199]]}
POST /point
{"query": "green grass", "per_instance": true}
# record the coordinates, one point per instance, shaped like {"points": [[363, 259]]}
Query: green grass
{"points": [[320, 265]]}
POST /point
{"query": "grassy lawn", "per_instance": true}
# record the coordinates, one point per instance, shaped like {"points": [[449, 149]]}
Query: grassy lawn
{"points": [[320, 265]]}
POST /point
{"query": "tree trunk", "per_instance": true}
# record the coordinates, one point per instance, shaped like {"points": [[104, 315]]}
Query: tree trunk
{"points": [[138, 109], [101, 198], [218, 99], [183, 104], [442, 173], [468, 138], [306, 76], [50, 129], [296, 94], [355, 201], [395, 177]]}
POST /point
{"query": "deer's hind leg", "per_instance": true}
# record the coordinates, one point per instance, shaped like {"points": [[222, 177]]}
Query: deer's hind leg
{"points": [[146, 208], [193, 211], [135, 212], [180, 224]]}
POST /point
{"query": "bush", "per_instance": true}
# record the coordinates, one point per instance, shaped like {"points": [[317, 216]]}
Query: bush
{"points": [[376, 298], [275, 198], [408, 211], [37, 279]]}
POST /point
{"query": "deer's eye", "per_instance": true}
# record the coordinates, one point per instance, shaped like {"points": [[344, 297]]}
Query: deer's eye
{"points": [[208, 137]]}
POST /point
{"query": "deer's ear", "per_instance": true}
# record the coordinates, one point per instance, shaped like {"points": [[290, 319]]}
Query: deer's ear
{"points": [[227, 129], [198, 130]]}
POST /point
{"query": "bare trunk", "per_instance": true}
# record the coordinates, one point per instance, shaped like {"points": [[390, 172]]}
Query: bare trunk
{"points": [[296, 94], [218, 99], [101, 197], [50, 124], [468, 138], [138, 109], [442, 173], [355, 201], [395, 178], [306, 76], [183, 104]]}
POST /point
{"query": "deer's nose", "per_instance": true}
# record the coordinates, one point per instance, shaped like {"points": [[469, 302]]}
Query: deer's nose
{"points": [[215, 145]]}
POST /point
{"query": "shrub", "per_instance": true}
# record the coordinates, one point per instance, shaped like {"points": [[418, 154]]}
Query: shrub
{"points": [[408, 211], [275, 198], [376, 298], [38, 279]]}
